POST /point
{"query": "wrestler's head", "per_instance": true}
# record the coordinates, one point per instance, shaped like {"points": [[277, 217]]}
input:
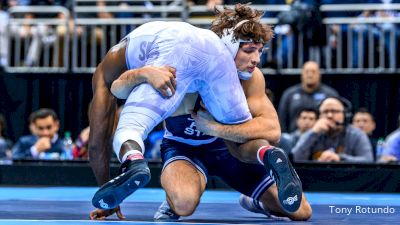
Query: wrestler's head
{"points": [[244, 35]]}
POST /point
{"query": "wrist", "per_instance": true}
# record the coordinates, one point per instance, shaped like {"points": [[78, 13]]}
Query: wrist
{"points": [[138, 76]]}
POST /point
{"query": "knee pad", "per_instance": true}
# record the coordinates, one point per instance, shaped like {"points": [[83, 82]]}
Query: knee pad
{"points": [[132, 126], [123, 135]]}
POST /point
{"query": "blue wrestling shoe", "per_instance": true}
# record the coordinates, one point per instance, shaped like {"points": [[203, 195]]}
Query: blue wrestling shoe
{"points": [[133, 175], [164, 213], [288, 182]]}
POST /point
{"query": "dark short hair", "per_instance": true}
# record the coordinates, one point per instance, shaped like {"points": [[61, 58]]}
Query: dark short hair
{"points": [[365, 110], [41, 114], [313, 110]]}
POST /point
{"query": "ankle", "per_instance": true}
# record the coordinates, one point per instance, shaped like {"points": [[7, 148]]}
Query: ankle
{"points": [[132, 155], [261, 153]]}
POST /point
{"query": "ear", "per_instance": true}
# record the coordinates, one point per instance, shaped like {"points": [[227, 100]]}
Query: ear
{"points": [[57, 124]]}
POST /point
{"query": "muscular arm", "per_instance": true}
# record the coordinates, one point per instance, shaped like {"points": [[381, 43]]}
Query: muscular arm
{"points": [[102, 112], [161, 78], [264, 125]]}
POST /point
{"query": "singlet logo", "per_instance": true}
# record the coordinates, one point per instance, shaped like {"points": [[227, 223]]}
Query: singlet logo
{"points": [[191, 130], [148, 49]]}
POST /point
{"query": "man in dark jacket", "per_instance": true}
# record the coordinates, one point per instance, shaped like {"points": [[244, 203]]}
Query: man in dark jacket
{"points": [[44, 139]]}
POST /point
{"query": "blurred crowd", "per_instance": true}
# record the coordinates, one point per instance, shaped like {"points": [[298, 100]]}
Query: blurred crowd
{"points": [[317, 125], [300, 33]]}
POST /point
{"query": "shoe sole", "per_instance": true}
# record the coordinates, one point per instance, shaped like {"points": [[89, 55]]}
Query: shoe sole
{"points": [[111, 195], [288, 183]]}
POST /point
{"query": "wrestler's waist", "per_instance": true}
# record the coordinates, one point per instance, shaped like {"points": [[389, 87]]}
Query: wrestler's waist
{"points": [[193, 142]]}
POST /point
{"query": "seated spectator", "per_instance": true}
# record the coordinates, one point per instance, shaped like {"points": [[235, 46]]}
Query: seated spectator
{"points": [[305, 121], [391, 151], [308, 94], [44, 139], [364, 120], [5, 144], [331, 139]]}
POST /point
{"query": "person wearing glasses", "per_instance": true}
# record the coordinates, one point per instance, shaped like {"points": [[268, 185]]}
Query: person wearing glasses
{"points": [[332, 138]]}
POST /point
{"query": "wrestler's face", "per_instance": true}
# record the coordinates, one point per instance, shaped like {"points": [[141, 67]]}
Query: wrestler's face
{"points": [[248, 56]]}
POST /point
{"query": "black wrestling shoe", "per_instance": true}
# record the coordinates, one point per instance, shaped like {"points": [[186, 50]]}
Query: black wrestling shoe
{"points": [[133, 175], [288, 182]]}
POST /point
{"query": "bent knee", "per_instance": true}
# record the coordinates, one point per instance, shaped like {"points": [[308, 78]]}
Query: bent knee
{"points": [[185, 207]]}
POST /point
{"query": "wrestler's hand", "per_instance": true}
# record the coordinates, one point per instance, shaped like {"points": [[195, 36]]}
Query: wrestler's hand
{"points": [[205, 122], [101, 214], [161, 78]]}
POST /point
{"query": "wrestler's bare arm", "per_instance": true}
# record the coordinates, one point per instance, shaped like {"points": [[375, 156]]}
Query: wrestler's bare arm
{"points": [[161, 78], [264, 125], [102, 112]]}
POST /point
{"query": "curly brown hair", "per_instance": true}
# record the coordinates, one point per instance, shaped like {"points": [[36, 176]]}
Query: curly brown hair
{"points": [[251, 30]]}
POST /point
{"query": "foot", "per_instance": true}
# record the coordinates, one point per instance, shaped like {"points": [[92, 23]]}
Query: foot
{"points": [[164, 213], [288, 182], [133, 175], [252, 205]]}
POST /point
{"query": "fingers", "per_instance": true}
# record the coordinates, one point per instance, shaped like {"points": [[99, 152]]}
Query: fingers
{"points": [[193, 114], [169, 92], [96, 215], [100, 214], [169, 87], [119, 214], [171, 70]]}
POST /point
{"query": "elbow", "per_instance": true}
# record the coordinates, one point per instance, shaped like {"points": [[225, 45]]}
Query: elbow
{"points": [[273, 135]]}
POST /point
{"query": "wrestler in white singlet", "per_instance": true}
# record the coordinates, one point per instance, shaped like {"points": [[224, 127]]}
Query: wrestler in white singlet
{"points": [[203, 64]]}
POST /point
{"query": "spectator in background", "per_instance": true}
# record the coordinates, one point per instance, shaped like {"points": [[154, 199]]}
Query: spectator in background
{"points": [[5, 144], [332, 139], [80, 149], [44, 139], [364, 120], [308, 94], [305, 121], [3, 34], [391, 151], [384, 36]]}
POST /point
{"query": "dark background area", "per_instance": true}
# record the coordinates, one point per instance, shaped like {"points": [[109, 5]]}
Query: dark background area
{"points": [[69, 95]]}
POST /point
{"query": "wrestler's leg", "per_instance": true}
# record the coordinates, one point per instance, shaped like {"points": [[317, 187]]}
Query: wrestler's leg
{"points": [[290, 190]]}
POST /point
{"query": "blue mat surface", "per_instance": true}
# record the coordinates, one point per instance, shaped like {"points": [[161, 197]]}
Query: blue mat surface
{"points": [[71, 205]]}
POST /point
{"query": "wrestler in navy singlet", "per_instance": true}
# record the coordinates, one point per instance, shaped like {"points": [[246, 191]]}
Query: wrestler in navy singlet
{"points": [[211, 157]]}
